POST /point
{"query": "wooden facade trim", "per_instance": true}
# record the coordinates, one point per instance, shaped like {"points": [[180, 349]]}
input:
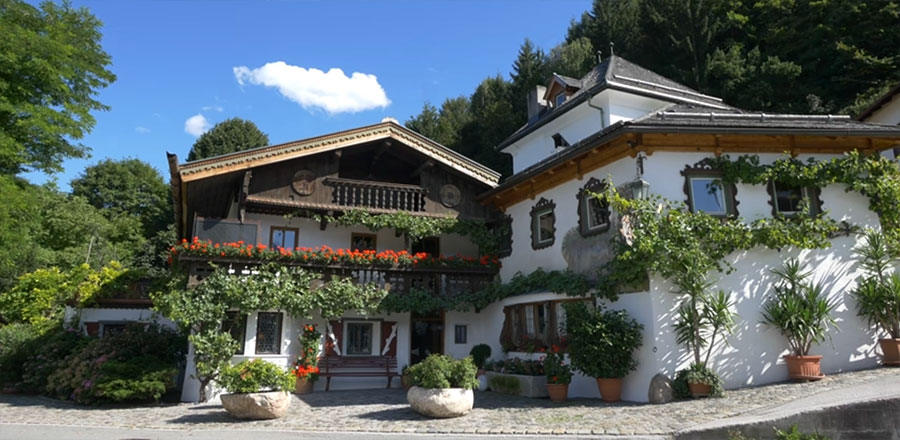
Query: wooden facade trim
{"points": [[628, 144]]}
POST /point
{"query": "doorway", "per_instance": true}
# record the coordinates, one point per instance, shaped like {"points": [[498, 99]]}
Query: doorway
{"points": [[426, 335]]}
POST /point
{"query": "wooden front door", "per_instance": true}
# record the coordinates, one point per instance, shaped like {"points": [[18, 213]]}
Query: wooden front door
{"points": [[427, 335]]}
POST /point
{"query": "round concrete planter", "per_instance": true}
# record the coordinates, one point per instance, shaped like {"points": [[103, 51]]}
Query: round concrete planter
{"points": [[259, 406], [441, 402]]}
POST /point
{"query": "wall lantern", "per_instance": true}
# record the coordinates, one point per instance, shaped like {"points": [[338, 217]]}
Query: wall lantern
{"points": [[640, 188]]}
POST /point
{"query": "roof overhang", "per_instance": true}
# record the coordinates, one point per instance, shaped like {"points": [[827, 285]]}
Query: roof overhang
{"points": [[884, 100], [626, 139]]}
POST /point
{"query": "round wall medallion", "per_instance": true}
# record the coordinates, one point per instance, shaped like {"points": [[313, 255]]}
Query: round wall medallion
{"points": [[303, 182], [450, 195]]}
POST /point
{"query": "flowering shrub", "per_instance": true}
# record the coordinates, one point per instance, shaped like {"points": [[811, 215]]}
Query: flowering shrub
{"points": [[555, 368], [306, 366], [325, 255], [255, 376]]}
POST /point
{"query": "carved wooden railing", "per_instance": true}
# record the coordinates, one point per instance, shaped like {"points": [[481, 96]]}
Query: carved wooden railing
{"points": [[441, 281], [369, 194]]}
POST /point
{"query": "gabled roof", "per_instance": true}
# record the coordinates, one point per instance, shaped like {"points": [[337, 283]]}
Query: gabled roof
{"points": [[620, 74], [241, 160], [880, 103]]}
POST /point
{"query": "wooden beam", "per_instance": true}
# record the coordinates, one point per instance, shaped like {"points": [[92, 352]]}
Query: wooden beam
{"points": [[242, 197]]}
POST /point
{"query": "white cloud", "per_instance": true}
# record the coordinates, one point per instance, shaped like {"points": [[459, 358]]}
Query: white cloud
{"points": [[332, 91], [217, 108], [196, 125], [141, 130]]}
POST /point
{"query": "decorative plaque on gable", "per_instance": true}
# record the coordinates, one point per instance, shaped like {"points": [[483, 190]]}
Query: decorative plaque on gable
{"points": [[450, 195], [303, 182]]}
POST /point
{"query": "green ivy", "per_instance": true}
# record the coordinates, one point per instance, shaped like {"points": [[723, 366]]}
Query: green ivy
{"points": [[419, 227]]}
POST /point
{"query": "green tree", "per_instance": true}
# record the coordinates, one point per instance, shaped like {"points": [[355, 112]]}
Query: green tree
{"points": [[529, 71], [19, 225], [573, 59], [51, 68], [426, 122], [127, 187], [228, 136], [610, 21]]}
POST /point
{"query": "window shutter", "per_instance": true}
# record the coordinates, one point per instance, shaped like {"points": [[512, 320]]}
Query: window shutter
{"points": [[337, 327], [387, 328]]}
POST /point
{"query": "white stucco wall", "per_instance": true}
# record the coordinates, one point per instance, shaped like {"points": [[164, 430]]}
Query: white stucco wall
{"points": [[888, 114], [113, 316], [754, 354]]}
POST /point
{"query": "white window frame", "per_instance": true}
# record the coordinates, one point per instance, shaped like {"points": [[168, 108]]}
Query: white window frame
{"points": [[376, 336], [721, 185]]}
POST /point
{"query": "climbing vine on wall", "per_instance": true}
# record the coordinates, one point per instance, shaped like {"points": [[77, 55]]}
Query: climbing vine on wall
{"points": [[419, 227]]}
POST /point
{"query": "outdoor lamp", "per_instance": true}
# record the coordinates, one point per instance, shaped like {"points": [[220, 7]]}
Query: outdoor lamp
{"points": [[640, 189]]}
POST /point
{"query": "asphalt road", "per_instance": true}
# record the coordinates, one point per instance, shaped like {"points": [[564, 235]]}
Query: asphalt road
{"points": [[56, 432]]}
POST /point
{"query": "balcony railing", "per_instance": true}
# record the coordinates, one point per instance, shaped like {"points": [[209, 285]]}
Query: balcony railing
{"points": [[441, 281], [380, 195]]}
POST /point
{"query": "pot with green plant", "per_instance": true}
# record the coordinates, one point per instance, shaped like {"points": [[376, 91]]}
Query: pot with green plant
{"points": [[306, 367], [559, 375], [601, 344], [442, 386], [258, 390], [878, 293], [704, 319], [480, 354], [800, 309], [405, 380]]}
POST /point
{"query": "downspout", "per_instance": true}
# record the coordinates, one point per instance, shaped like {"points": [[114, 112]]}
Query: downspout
{"points": [[591, 105]]}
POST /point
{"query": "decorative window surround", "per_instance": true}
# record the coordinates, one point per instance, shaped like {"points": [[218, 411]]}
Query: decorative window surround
{"points": [[543, 219], [593, 213], [702, 175]]}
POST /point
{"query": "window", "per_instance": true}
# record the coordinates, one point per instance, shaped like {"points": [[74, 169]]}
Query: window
{"points": [[532, 326], [460, 334], [235, 324], [503, 229], [360, 337], [283, 237], [787, 199], [112, 328], [559, 141], [560, 98], [707, 192], [268, 333], [362, 242], [429, 245], [543, 224], [593, 212]]}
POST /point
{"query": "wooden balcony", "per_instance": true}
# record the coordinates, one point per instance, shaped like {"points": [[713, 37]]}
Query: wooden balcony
{"points": [[441, 281], [377, 195]]}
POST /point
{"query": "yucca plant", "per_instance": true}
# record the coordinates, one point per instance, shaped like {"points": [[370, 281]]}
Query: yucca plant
{"points": [[878, 293], [799, 309]]}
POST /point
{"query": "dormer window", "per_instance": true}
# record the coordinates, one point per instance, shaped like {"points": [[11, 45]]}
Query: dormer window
{"points": [[559, 99], [559, 141]]}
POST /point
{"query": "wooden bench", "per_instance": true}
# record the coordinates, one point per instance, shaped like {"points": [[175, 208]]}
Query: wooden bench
{"points": [[357, 366]]}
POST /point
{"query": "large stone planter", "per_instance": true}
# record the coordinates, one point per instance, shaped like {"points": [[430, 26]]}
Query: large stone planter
{"points": [[441, 402], [269, 405], [528, 386]]}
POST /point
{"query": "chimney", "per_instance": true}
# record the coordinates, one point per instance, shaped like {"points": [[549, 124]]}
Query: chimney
{"points": [[536, 103]]}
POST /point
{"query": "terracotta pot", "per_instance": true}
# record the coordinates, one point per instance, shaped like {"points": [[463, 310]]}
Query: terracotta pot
{"points": [[699, 389], [9, 388], [302, 386], [406, 383], [804, 367], [890, 349], [610, 389], [558, 391]]}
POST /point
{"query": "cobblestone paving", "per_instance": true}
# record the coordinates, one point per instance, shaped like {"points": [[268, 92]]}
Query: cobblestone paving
{"points": [[387, 411]]}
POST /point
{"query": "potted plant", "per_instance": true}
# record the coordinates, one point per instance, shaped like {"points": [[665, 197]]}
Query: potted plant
{"points": [[405, 378], [442, 386], [559, 375], [702, 318], [878, 294], [480, 354], [601, 343], [306, 367], [258, 390], [800, 310], [517, 377]]}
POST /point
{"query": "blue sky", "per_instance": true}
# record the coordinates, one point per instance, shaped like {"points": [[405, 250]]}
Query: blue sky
{"points": [[176, 60]]}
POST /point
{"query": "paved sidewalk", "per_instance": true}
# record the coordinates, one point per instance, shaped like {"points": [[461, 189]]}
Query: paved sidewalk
{"points": [[386, 411]]}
